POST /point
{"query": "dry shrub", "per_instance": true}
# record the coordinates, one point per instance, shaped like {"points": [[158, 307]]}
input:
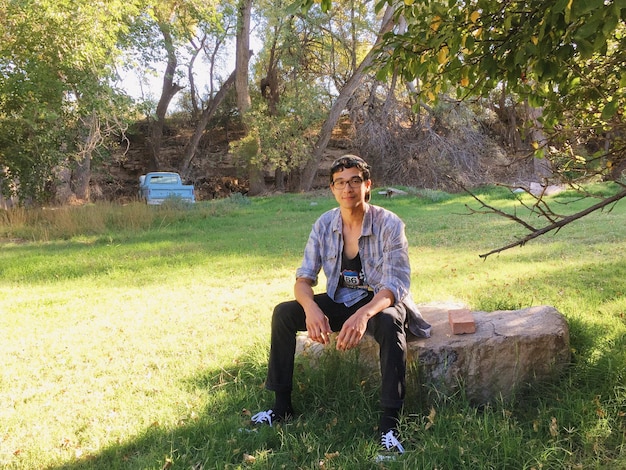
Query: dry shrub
{"points": [[132, 217], [430, 150], [13, 217], [65, 222]]}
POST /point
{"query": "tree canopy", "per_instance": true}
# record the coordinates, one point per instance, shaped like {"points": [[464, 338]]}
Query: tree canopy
{"points": [[565, 59], [552, 72], [56, 61]]}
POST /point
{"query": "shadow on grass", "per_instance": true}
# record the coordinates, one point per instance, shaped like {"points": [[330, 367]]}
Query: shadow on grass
{"points": [[337, 412], [153, 252]]}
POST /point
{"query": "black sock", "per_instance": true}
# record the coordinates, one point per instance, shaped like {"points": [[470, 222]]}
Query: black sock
{"points": [[389, 420], [282, 405]]}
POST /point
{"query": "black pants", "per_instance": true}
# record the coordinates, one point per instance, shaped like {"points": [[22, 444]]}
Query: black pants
{"points": [[387, 327]]}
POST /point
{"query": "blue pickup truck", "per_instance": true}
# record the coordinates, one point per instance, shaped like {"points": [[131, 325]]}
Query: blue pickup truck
{"points": [[156, 187]]}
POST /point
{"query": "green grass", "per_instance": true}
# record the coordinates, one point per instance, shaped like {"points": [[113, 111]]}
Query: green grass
{"points": [[136, 337]]}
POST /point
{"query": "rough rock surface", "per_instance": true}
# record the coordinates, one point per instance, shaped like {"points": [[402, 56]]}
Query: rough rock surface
{"points": [[510, 348]]}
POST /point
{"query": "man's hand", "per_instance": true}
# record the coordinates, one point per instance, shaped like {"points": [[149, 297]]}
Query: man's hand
{"points": [[354, 328], [317, 325], [352, 331]]}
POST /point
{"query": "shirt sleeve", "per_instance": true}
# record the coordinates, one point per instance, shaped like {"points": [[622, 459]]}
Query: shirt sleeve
{"points": [[396, 264], [392, 269], [311, 262]]}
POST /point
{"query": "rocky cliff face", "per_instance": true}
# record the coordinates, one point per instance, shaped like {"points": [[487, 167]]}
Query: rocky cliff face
{"points": [[213, 171]]}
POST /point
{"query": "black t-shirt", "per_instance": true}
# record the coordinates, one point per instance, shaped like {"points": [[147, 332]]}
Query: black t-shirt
{"points": [[352, 273]]}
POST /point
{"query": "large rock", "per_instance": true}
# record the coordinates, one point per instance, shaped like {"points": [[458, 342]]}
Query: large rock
{"points": [[509, 349]]}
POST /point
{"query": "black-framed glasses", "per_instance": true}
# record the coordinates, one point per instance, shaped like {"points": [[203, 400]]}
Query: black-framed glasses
{"points": [[353, 182]]}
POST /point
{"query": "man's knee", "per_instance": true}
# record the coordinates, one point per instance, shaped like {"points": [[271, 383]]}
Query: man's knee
{"points": [[392, 319], [287, 314], [387, 324], [281, 309]]}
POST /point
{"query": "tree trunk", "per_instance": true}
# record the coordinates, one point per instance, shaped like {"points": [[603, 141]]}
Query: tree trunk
{"points": [[271, 93], [242, 60], [207, 113], [269, 85], [195, 109], [72, 185], [345, 94], [542, 167], [63, 191], [6, 187], [82, 176], [279, 180], [169, 89]]}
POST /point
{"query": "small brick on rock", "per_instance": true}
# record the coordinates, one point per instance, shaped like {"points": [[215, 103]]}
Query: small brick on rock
{"points": [[461, 321]]}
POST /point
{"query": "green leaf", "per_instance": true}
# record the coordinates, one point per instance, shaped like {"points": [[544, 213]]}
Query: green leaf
{"points": [[568, 12], [382, 73], [489, 65], [588, 28], [539, 67], [565, 53], [540, 153], [535, 100], [298, 6], [560, 6], [585, 48], [520, 57], [600, 45], [582, 7], [507, 23], [610, 109], [380, 5], [610, 24]]}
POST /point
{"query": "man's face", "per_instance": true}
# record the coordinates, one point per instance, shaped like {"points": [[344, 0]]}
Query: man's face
{"points": [[349, 188]]}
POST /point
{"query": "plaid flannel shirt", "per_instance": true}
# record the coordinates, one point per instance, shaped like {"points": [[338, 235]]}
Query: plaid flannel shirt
{"points": [[384, 256]]}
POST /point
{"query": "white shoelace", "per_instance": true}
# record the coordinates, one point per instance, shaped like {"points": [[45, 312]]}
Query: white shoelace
{"points": [[389, 441], [263, 417]]}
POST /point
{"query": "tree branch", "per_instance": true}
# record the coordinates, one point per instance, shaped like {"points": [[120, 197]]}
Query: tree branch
{"points": [[494, 210], [553, 226]]}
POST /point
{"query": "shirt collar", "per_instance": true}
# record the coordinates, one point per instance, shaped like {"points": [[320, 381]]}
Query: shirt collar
{"points": [[366, 228], [367, 221]]}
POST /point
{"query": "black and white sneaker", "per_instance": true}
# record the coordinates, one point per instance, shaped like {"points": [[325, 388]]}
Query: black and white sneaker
{"points": [[390, 444], [269, 417]]}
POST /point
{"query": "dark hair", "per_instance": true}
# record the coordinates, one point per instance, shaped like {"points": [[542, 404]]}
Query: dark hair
{"points": [[351, 161]]}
